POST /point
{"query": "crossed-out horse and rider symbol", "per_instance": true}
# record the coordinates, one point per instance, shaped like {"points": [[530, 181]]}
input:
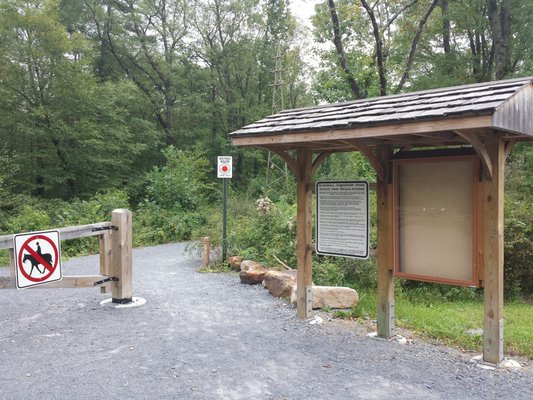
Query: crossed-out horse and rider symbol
{"points": [[38, 258]]}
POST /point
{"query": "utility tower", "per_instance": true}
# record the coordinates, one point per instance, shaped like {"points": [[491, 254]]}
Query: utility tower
{"points": [[276, 172]]}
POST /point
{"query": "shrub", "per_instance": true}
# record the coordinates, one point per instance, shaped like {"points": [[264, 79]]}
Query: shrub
{"points": [[518, 254], [182, 183], [327, 272]]}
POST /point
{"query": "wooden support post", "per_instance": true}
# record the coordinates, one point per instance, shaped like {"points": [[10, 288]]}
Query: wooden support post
{"points": [[104, 241], [385, 298], [493, 225], [121, 256], [12, 263], [207, 251], [304, 233]]}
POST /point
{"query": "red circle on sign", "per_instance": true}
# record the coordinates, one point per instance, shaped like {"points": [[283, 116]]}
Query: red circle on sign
{"points": [[224, 168], [26, 247]]}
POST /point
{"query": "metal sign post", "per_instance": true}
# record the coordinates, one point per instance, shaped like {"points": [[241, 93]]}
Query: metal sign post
{"points": [[225, 172]]}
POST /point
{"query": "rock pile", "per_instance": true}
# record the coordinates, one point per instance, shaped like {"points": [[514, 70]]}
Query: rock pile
{"points": [[282, 284]]}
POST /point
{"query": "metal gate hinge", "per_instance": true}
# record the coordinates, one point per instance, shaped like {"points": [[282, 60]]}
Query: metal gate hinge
{"points": [[108, 279], [105, 228]]}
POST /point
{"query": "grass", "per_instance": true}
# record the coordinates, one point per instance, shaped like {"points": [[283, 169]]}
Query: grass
{"points": [[448, 321]]}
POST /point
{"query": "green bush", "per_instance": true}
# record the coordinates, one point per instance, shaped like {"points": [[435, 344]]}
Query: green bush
{"points": [[259, 235], [182, 184], [518, 255], [175, 199], [327, 272]]}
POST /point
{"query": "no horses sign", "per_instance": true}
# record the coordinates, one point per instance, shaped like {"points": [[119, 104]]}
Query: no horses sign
{"points": [[37, 258]]}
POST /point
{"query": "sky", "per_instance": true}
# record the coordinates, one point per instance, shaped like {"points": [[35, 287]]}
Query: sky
{"points": [[303, 9]]}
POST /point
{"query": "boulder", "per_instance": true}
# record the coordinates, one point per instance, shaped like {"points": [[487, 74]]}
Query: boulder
{"points": [[235, 262], [253, 274], [332, 297], [280, 283], [247, 264]]}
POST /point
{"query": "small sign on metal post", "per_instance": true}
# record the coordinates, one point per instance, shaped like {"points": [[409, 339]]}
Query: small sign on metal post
{"points": [[225, 172], [37, 258], [224, 168]]}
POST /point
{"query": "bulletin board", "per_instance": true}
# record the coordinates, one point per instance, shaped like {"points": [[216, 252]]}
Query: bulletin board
{"points": [[435, 219]]}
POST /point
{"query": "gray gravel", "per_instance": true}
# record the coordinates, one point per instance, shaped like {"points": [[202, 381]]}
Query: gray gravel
{"points": [[206, 336]]}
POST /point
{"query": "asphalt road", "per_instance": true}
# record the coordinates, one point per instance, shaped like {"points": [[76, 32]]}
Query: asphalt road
{"points": [[206, 336]]}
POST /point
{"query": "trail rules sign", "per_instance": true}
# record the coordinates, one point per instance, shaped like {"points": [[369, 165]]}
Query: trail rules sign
{"points": [[342, 223], [37, 258], [224, 168]]}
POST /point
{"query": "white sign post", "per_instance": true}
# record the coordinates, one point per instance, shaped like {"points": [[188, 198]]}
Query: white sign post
{"points": [[342, 219], [37, 258]]}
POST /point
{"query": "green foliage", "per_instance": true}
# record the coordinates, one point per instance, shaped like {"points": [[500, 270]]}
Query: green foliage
{"points": [[35, 215], [326, 272], [264, 236], [175, 197], [29, 218], [259, 235], [447, 320], [182, 183], [518, 252]]}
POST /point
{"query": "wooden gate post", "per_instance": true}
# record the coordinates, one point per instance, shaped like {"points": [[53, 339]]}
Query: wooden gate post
{"points": [[385, 299], [104, 241], [207, 251], [304, 233], [121, 256], [493, 226]]}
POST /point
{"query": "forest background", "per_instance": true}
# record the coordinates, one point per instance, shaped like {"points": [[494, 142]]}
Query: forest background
{"points": [[110, 104]]}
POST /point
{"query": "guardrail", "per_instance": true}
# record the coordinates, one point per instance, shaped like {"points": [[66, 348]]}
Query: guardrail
{"points": [[115, 240]]}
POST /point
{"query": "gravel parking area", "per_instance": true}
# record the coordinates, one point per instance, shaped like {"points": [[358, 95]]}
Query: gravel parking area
{"points": [[206, 336]]}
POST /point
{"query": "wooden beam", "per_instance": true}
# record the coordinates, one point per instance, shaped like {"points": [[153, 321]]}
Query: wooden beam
{"points": [[319, 160], [385, 299], [104, 242], [80, 281], [405, 128], [479, 147], [304, 233], [493, 227], [291, 163], [12, 262], [508, 148], [370, 156], [71, 232]]}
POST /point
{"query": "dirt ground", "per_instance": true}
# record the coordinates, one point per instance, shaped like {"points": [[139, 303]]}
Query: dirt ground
{"points": [[206, 336]]}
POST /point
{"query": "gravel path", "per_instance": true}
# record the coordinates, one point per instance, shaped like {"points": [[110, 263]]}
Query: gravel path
{"points": [[206, 336]]}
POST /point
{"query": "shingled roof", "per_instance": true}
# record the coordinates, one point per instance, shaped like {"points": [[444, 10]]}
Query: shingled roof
{"points": [[434, 115]]}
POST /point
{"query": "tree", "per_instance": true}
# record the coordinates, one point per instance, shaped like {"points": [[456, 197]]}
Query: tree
{"points": [[385, 20], [69, 135], [147, 40], [416, 44]]}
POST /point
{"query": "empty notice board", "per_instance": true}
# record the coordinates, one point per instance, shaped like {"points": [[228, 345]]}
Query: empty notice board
{"points": [[342, 219]]}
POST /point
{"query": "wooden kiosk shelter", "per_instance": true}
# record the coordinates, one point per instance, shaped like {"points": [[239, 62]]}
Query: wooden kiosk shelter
{"points": [[479, 122]]}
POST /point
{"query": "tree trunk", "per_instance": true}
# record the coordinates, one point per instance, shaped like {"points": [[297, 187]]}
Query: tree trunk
{"points": [[446, 28], [379, 48], [354, 86], [414, 44], [499, 13]]}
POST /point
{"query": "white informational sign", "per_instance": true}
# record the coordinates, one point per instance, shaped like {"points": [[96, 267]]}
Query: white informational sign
{"points": [[342, 219], [224, 167], [37, 258]]}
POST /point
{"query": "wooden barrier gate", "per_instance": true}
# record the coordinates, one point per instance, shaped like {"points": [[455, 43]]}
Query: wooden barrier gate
{"points": [[115, 239]]}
